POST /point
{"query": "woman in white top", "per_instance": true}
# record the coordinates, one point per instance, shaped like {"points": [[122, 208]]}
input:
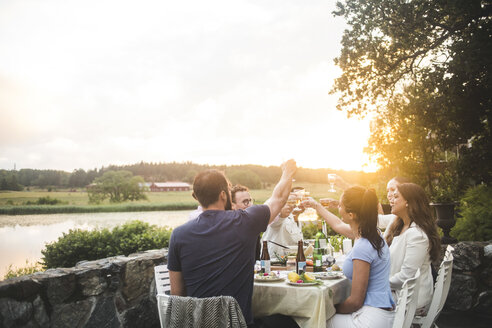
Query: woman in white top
{"points": [[413, 239]]}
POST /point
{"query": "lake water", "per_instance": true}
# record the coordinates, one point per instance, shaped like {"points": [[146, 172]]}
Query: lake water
{"points": [[22, 237]]}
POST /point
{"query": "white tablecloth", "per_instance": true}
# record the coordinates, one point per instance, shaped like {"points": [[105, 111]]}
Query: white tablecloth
{"points": [[309, 306]]}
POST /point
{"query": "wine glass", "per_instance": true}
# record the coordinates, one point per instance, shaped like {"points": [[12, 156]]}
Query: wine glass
{"points": [[299, 197], [331, 179]]}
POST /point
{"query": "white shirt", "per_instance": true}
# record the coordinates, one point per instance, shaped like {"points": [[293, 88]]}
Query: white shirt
{"points": [[409, 252], [195, 213], [284, 231], [384, 220]]}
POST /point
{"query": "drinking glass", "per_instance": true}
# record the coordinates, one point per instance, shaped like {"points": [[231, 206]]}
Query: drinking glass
{"points": [[331, 179], [299, 197]]}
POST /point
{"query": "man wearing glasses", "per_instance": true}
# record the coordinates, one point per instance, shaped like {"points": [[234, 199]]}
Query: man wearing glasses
{"points": [[241, 199]]}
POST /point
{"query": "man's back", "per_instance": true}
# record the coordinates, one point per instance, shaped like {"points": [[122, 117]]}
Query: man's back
{"points": [[215, 253]]}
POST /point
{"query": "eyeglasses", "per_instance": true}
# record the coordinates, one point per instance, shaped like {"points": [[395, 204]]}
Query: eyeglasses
{"points": [[248, 201]]}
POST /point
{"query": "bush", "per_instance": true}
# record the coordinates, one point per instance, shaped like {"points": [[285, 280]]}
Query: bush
{"points": [[475, 223], [78, 245], [28, 269], [46, 201], [309, 231]]}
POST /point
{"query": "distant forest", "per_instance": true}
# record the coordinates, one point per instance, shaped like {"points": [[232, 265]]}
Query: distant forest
{"points": [[257, 176]]}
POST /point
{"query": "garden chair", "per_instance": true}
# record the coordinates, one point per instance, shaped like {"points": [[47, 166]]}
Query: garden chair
{"points": [[407, 302], [219, 311], [441, 290]]}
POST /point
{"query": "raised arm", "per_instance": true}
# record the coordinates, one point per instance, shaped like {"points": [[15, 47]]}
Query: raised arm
{"points": [[331, 219], [282, 189]]}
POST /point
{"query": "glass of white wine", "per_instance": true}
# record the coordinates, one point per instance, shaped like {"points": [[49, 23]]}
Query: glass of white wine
{"points": [[331, 179]]}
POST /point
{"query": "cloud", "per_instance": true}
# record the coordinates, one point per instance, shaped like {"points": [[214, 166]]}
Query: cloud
{"points": [[218, 81]]}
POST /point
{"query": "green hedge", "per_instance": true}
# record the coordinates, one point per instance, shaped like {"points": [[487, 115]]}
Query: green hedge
{"points": [[78, 245], [475, 221]]}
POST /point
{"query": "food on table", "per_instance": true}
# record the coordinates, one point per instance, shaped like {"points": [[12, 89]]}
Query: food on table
{"points": [[309, 262], [293, 277], [309, 277], [302, 278], [267, 276], [335, 267]]}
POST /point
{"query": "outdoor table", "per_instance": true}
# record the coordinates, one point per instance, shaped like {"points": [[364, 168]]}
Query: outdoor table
{"points": [[309, 306]]}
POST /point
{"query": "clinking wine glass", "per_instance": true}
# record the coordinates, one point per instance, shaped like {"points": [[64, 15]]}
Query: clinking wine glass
{"points": [[331, 179], [299, 196]]}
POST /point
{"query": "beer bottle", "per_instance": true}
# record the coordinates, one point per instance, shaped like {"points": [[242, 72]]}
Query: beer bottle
{"points": [[300, 259], [265, 259]]}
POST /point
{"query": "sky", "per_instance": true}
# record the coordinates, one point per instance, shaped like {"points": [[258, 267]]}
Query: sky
{"points": [[86, 84]]}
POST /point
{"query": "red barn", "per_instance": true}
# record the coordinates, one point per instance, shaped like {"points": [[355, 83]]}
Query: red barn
{"points": [[170, 186]]}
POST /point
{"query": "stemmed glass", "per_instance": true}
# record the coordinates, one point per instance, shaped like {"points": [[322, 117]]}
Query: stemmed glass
{"points": [[331, 179], [299, 194]]}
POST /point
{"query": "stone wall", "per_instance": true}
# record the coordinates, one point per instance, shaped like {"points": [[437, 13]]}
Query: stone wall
{"points": [[112, 292], [471, 282], [120, 291]]}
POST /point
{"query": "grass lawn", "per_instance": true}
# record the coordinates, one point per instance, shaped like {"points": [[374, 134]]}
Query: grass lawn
{"points": [[80, 199], [317, 190]]}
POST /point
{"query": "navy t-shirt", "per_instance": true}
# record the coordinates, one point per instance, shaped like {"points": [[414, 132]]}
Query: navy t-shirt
{"points": [[216, 253]]}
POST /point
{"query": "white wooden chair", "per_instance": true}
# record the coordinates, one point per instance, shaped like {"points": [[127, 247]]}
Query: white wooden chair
{"points": [[407, 302], [441, 290], [163, 287]]}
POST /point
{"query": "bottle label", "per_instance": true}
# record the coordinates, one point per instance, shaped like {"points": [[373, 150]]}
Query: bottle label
{"points": [[322, 243], [318, 263], [265, 266], [301, 267]]}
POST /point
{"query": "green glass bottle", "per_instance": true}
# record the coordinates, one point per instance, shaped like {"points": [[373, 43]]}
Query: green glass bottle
{"points": [[317, 257], [321, 238]]}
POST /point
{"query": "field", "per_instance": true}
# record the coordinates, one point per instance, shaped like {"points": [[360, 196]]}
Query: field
{"points": [[14, 202]]}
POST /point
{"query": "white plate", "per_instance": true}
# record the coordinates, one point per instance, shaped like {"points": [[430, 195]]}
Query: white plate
{"points": [[304, 284], [329, 275], [269, 279]]}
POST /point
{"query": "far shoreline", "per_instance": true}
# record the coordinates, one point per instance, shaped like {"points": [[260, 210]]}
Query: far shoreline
{"points": [[67, 209]]}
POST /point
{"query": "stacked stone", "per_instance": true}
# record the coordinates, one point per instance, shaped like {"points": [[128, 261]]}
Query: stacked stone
{"points": [[112, 292], [471, 282]]}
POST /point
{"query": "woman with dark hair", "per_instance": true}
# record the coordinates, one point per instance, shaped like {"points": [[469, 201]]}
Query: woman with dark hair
{"points": [[413, 239], [367, 265]]}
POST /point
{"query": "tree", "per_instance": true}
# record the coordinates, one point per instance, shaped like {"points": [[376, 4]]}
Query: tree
{"points": [[423, 69], [246, 178], [8, 181], [78, 178], [118, 186]]}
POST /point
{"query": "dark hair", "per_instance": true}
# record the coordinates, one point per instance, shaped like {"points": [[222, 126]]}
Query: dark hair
{"points": [[364, 204], [235, 189], [208, 185], [419, 212]]}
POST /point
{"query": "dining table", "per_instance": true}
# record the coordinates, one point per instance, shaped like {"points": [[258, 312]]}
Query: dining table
{"points": [[309, 306]]}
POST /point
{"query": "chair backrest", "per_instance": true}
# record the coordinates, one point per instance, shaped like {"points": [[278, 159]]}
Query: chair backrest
{"points": [[441, 290], [162, 283], [407, 302], [447, 270], [164, 303], [163, 287]]}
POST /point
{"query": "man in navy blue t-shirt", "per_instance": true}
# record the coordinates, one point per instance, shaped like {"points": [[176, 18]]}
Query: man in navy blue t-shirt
{"points": [[214, 254]]}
